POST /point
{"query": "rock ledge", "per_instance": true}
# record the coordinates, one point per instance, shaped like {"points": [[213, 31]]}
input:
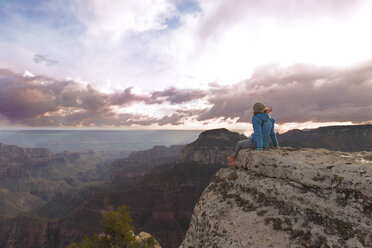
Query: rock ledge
{"points": [[287, 198]]}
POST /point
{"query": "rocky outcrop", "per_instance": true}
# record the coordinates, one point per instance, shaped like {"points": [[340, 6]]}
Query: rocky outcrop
{"points": [[143, 241], [287, 198], [212, 147]]}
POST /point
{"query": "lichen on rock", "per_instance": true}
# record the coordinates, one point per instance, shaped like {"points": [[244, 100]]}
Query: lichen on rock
{"points": [[287, 198]]}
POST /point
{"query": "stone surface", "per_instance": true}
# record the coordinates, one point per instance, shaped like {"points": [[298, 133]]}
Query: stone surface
{"points": [[143, 237], [287, 198]]}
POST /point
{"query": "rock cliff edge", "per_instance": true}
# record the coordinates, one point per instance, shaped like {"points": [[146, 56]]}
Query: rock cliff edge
{"points": [[287, 198]]}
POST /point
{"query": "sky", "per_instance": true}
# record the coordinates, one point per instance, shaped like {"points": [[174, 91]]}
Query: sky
{"points": [[184, 64]]}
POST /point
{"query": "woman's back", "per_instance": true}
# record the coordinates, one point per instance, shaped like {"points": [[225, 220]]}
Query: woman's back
{"points": [[262, 126]]}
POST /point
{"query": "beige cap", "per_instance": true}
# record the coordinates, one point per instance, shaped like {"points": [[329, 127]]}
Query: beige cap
{"points": [[259, 107]]}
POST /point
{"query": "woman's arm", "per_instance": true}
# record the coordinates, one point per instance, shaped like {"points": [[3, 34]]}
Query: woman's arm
{"points": [[273, 135]]}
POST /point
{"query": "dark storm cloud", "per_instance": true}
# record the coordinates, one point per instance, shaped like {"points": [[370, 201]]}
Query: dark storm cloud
{"points": [[126, 97], [299, 93], [39, 58], [43, 101]]}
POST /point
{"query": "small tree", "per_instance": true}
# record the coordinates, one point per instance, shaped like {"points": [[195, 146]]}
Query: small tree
{"points": [[118, 233]]}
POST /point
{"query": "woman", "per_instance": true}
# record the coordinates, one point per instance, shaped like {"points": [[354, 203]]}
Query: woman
{"points": [[263, 127]]}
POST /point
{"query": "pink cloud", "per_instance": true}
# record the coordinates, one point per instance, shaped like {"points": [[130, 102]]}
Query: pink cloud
{"points": [[44, 101], [298, 93]]}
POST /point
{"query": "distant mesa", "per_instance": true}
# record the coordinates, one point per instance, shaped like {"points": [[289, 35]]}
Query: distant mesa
{"points": [[218, 137], [350, 138]]}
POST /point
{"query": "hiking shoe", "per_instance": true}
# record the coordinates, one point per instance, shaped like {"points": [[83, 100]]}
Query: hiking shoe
{"points": [[231, 158]]}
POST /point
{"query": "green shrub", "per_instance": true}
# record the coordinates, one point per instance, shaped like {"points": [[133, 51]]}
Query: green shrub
{"points": [[118, 233]]}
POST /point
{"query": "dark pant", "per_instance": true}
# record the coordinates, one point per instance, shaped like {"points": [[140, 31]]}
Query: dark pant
{"points": [[243, 144]]}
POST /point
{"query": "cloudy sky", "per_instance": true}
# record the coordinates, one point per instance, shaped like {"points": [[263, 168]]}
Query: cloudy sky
{"points": [[184, 63]]}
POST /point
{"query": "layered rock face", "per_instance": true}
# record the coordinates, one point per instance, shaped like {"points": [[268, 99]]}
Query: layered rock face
{"points": [[14, 160], [287, 198]]}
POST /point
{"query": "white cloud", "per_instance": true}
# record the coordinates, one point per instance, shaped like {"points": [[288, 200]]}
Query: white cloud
{"points": [[112, 21], [230, 38], [126, 43]]}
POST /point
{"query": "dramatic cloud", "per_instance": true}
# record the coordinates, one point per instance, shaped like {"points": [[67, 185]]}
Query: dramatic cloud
{"points": [[125, 98], [174, 95], [299, 93], [42, 101], [126, 57], [38, 58]]}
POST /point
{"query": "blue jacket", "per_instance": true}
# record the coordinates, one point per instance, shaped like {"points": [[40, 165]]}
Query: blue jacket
{"points": [[263, 127]]}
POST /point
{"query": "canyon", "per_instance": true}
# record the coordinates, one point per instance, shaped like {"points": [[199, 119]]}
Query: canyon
{"points": [[160, 186], [160, 202]]}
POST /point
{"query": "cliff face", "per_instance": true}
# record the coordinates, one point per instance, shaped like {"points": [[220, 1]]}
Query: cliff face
{"points": [[287, 198], [15, 161], [30, 226]]}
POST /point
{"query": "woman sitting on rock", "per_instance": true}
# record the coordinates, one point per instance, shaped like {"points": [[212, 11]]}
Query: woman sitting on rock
{"points": [[263, 127]]}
